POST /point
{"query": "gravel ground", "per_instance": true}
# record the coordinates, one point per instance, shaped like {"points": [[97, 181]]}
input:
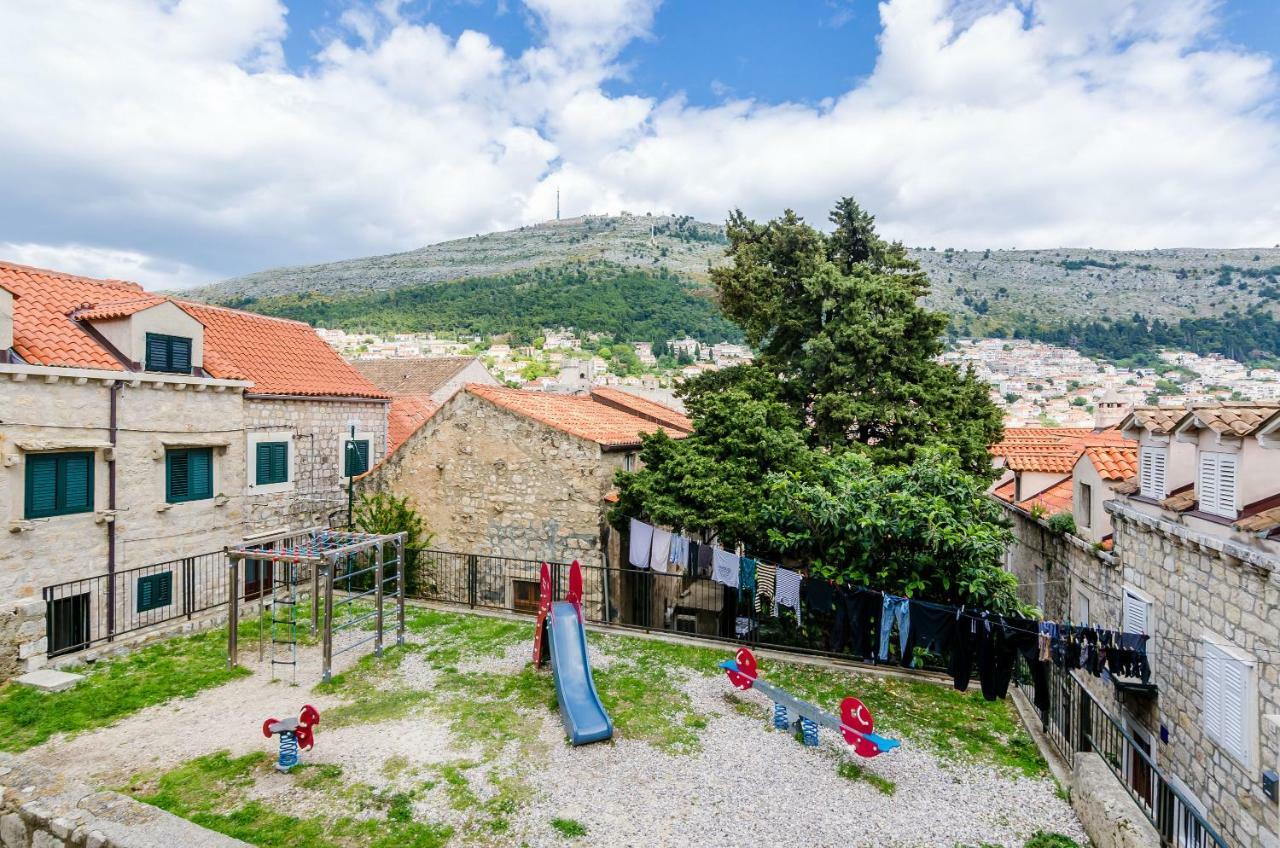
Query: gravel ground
{"points": [[747, 785]]}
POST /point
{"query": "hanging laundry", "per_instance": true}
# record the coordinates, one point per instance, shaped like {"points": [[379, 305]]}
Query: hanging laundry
{"points": [[819, 595], [691, 564], [895, 609], [679, 556], [661, 550], [766, 581], [1048, 630], [962, 649], [857, 611], [725, 567], [995, 658], [933, 627], [706, 561], [746, 581], [641, 542], [787, 591]]}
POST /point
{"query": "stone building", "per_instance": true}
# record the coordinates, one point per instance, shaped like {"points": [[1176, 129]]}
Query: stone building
{"points": [[520, 474], [139, 430], [432, 378]]}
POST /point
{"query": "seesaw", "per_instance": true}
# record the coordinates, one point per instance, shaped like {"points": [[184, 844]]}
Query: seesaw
{"points": [[854, 724]]}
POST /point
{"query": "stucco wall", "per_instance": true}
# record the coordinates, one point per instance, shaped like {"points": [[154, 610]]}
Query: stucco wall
{"points": [[317, 427], [1199, 590], [489, 481]]}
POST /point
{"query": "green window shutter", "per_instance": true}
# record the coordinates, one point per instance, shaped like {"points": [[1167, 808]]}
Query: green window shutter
{"points": [[355, 457], [157, 352], [180, 354], [176, 476], [42, 485], [155, 591], [272, 461], [188, 474], [200, 473], [170, 354], [59, 484]]}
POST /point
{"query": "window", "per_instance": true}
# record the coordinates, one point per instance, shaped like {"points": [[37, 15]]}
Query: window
{"points": [[1086, 504], [1082, 608], [155, 591], [1152, 463], [1228, 701], [272, 463], [1216, 488], [59, 484], [686, 623], [1137, 612], [171, 354], [355, 457], [188, 474], [629, 462]]}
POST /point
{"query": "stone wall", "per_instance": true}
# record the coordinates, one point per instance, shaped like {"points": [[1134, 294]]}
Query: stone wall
{"points": [[22, 640], [1109, 815], [317, 428], [490, 481], [1201, 586], [42, 809]]}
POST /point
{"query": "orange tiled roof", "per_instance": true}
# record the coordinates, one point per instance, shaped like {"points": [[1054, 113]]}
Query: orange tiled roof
{"points": [[1160, 420], [1006, 490], [43, 332], [280, 357], [407, 415], [643, 407], [1053, 459], [1055, 499], [119, 309], [1114, 462], [1239, 419], [579, 416]]}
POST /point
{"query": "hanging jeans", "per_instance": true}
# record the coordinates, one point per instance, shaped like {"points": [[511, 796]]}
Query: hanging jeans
{"points": [[899, 610]]}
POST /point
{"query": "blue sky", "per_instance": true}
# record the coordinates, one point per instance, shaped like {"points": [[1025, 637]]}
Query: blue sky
{"points": [[176, 142]]}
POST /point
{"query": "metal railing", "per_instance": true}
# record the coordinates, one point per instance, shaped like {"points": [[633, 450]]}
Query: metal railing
{"points": [[1076, 723], [81, 613]]}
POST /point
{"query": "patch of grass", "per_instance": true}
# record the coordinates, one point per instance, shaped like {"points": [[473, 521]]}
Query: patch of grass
{"points": [[394, 766], [569, 828], [456, 638], [212, 791], [955, 725], [112, 689], [318, 777], [369, 702], [850, 770], [1044, 839], [744, 707]]}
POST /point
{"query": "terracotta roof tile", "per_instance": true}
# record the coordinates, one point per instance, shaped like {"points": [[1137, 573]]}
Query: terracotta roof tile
{"points": [[1051, 460], [578, 416], [411, 376], [1157, 419], [1128, 487], [407, 415], [1260, 522], [1181, 502], [280, 357], [643, 407], [1054, 450], [1005, 490], [1240, 419], [1055, 499], [1114, 462]]}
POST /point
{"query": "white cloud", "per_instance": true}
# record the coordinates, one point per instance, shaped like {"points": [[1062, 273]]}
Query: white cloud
{"points": [[154, 139]]}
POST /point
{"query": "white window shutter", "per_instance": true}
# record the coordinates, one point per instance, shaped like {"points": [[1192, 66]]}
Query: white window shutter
{"points": [[1135, 613], [1235, 702], [1159, 461], [1145, 480], [1227, 485], [1207, 484], [1213, 660]]}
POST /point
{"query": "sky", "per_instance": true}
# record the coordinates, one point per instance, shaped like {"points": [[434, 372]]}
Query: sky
{"points": [[178, 142]]}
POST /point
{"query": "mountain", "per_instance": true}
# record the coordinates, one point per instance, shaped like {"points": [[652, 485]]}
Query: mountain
{"points": [[666, 259]]}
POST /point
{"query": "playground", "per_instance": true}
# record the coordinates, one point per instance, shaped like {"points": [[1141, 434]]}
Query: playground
{"points": [[457, 738]]}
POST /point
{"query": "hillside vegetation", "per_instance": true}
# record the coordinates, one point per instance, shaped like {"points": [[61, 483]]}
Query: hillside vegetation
{"points": [[648, 267]]}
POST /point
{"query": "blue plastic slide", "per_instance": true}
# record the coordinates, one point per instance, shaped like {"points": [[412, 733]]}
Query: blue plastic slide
{"points": [[584, 717]]}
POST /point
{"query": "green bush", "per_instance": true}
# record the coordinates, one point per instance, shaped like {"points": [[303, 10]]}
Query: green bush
{"points": [[1062, 523]]}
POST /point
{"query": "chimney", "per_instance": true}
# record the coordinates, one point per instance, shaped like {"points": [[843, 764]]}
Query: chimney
{"points": [[6, 323]]}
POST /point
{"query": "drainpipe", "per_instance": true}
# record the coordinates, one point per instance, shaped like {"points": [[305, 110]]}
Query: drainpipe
{"points": [[111, 516]]}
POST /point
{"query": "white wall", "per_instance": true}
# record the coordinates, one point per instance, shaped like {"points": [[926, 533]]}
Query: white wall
{"points": [[129, 335]]}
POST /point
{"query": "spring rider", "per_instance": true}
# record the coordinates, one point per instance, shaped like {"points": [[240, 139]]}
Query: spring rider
{"points": [[294, 733]]}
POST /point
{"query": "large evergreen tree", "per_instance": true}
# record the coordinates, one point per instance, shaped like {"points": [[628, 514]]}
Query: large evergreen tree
{"points": [[836, 319]]}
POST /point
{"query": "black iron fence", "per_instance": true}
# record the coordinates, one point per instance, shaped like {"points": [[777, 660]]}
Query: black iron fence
{"points": [[80, 613], [1076, 723]]}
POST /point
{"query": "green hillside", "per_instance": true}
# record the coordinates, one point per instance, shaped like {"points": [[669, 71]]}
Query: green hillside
{"points": [[592, 296]]}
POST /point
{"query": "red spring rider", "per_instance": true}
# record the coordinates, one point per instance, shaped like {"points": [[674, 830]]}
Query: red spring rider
{"points": [[294, 733]]}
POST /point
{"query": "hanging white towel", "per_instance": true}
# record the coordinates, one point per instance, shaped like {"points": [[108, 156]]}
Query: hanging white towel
{"points": [[641, 542], [724, 567], [787, 591], [660, 551]]}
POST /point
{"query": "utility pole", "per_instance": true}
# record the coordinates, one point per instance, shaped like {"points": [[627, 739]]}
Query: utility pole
{"points": [[557, 204]]}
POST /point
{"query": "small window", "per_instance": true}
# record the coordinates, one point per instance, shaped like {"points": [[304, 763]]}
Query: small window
{"points": [[171, 354], [59, 484], [155, 591], [1228, 698], [1216, 488], [1137, 613], [355, 459], [1082, 608], [272, 463], [686, 624], [1086, 505], [188, 474], [629, 462], [1152, 464]]}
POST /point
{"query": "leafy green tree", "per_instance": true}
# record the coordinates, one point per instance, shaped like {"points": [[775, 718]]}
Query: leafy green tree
{"points": [[836, 320], [925, 530], [383, 513]]}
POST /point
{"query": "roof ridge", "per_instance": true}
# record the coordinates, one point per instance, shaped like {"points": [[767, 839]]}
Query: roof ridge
{"points": [[101, 281], [201, 305]]}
